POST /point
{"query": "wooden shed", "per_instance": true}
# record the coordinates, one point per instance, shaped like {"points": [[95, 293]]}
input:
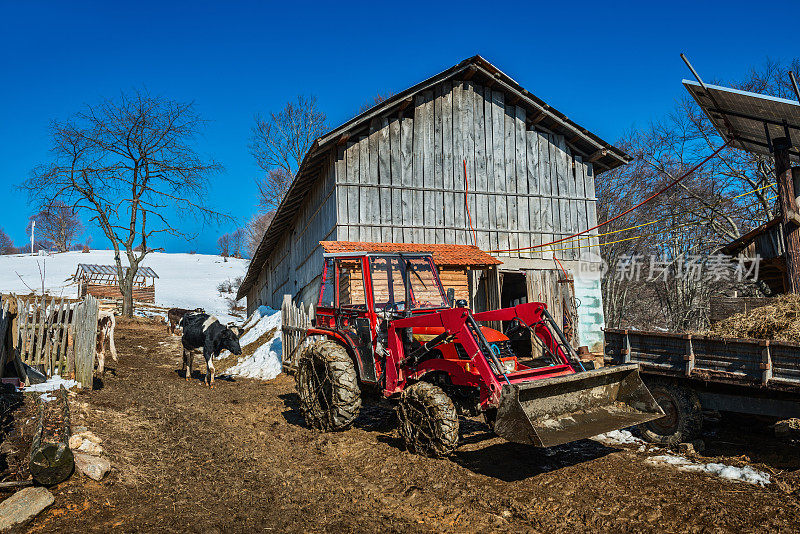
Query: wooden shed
{"points": [[101, 282], [396, 174]]}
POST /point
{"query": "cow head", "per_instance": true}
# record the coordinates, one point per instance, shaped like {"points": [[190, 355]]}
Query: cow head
{"points": [[230, 340]]}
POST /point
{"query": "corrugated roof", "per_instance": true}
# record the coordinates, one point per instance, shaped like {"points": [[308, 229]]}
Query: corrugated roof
{"points": [[597, 151], [461, 255], [89, 268]]}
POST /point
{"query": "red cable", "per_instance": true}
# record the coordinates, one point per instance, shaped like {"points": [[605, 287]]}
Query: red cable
{"points": [[466, 202], [648, 199]]}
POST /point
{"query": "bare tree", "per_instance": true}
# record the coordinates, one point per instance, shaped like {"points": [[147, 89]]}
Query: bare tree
{"points": [[57, 224], [224, 245], [6, 243], [130, 163], [237, 242], [715, 204], [255, 230], [374, 101], [279, 143]]}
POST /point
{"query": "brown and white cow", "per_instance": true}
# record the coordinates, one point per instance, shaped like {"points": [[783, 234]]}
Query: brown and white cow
{"points": [[105, 335]]}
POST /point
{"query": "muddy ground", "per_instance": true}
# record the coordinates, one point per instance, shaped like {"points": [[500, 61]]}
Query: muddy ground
{"points": [[239, 459]]}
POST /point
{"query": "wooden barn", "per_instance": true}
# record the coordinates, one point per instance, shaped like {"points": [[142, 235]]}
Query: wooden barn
{"points": [[101, 282], [396, 174]]}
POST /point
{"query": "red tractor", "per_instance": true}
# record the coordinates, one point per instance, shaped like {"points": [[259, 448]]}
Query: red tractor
{"points": [[384, 324]]}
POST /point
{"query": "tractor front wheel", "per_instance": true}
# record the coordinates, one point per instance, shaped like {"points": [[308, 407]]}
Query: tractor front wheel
{"points": [[428, 420], [327, 383]]}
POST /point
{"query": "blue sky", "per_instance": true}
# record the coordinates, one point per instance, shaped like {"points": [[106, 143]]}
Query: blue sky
{"points": [[609, 66]]}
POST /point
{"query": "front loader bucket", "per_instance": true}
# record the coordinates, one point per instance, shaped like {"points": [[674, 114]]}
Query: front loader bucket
{"points": [[552, 411]]}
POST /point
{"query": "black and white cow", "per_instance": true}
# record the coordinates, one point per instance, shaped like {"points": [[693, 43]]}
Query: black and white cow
{"points": [[204, 332]]}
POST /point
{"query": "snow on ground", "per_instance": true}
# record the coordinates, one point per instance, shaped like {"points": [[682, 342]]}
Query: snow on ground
{"points": [[728, 472], [265, 362], [184, 280], [51, 384], [618, 437]]}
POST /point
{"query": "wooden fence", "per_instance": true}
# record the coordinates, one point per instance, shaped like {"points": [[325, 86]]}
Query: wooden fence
{"points": [[44, 327], [56, 336], [295, 321]]}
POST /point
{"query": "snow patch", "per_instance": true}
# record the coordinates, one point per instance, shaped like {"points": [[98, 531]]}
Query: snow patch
{"points": [[51, 384], [618, 437], [268, 320], [265, 362], [728, 472]]}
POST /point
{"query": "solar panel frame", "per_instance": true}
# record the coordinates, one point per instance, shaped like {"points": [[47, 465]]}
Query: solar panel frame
{"points": [[750, 120]]}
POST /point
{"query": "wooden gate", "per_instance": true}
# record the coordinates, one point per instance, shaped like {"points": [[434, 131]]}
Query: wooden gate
{"points": [[295, 321], [56, 336], [44, 326]]}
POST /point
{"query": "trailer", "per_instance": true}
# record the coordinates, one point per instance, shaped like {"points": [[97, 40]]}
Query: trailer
{"points": [[689, 373]]}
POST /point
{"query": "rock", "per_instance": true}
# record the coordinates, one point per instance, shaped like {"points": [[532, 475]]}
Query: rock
{"points": [[787, 427], [91, 466], [692, 447], [24, 505], [86, 435], [75, 442]]}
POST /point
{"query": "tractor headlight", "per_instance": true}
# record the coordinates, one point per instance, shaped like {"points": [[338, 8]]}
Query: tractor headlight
{"points": [[509, 366]]}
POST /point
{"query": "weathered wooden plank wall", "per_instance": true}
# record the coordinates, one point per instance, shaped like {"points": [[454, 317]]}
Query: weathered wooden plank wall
{"points": [[404, 181]]}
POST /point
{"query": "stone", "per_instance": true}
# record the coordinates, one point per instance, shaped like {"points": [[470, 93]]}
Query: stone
{"points": [[86, 435], [692, 447], [787, 427], [92, 466], [24, 505], [90, 448]]}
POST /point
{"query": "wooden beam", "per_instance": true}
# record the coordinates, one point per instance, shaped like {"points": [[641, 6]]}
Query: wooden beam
{"points": [[470, 72], [343, 139], [597, 155], [405, 103]]}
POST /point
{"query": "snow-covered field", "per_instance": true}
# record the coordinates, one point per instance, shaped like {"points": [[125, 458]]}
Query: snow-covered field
{"points": [[184, 280]]}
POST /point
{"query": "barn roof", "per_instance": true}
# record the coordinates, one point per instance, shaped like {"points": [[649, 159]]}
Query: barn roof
{"points": [[595, 150], [450, 255], [92, 269]]}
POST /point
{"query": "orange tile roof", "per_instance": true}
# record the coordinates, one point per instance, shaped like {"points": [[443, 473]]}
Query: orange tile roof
{"points": [[442, 254]]}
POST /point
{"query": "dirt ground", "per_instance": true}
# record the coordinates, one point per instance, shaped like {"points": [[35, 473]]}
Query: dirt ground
{"points": [[240, 459]]}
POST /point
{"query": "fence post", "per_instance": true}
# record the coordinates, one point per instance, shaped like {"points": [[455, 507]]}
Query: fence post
{"points": [[689, 355], [766, 364], [85, 339]]}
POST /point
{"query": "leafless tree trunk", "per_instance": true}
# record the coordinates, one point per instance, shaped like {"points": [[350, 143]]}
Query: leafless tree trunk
{"points": [[224, 245], [130, 163], [279, 143]]}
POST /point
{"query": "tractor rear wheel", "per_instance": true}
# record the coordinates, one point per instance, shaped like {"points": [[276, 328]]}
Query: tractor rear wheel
{"points": [[327, 383], [683, 414], [428, 420]]}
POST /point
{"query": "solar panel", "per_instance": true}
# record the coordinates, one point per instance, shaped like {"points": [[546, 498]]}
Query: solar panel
{"points": [[750, 119]]}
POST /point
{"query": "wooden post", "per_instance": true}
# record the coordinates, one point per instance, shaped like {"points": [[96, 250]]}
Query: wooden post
{"points": [[51, 459], [689, 357], [790, 216], [766, 365]]}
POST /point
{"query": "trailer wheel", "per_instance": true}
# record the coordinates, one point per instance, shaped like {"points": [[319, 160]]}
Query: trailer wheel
{"points": [[428, 420], [327, 383], [683, 415]]}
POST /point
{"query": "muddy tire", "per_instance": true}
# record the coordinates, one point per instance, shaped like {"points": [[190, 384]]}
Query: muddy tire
{"points": [[683, 419], [327, 383], [428, 420]]}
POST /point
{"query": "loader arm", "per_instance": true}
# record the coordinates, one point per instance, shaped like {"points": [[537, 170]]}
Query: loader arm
{"points": [[456, 322]]}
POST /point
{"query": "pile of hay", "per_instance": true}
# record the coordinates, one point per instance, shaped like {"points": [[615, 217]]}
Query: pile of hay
{"points": [[779, 321]]}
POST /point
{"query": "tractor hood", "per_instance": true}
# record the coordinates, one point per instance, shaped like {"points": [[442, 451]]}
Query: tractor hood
{"points": [[426, 333]]}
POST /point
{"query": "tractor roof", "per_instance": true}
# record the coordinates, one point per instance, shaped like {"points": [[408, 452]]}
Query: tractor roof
{"points": [[443, 254]]}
